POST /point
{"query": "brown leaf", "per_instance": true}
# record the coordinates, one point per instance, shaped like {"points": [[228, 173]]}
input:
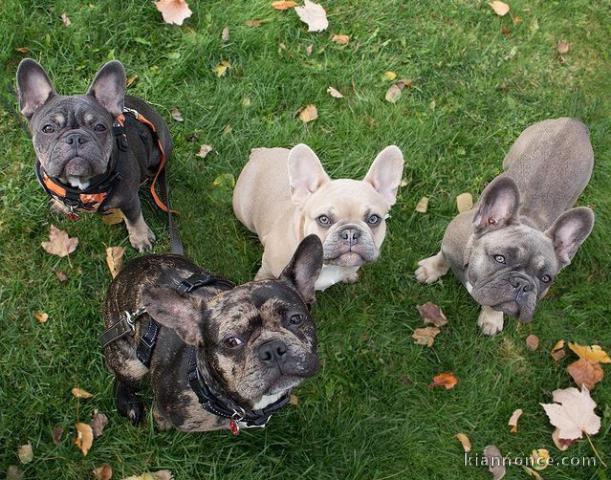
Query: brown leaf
{"points": [[59, 243], [57, 434], [464, 440], [103, 472], [294, 400], [66, 20], [500, 8], [253, 23], [114, 259], [513, 421], [423, 205], [532, 342], [340, 39], [561, 443], [13, 472], [431, 313], [176, 114], [84, 437], [505, 30], [464, 202], [313, 15], [225, 34], [204, 150], [563, 47], [80, 393], [25, 453], [494, 460], [334, 92], [585, 373], [308, 113], [61, 276], [174, 11], [425, 336], [516, 20], [98, 423], [22, 49], [41, 316], [446, 380], [113, 216], [284, 5], [558, 352]]}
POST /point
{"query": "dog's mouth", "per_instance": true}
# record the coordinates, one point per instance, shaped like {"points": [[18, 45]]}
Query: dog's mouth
{"points": [[347, 259], [524, 313]]}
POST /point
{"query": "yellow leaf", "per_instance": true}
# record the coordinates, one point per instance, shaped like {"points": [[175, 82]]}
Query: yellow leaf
{"points": [[423, 205], [464, 440], [540, 459], [389, 75], [80, 393], [500, 8], [114, 259], [592, 353], [113, 216], [41, 316], [221, 69], [84, 437], [513, 421], [308, 113]]}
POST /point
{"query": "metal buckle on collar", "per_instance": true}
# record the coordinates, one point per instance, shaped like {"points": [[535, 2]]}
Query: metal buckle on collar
{"points": [[135, 113]]}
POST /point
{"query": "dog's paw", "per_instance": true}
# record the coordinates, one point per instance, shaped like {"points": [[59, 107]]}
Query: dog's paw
{"points": [[490, 321], [161, 422], [431, 269], [129, 405], [142, 239]]}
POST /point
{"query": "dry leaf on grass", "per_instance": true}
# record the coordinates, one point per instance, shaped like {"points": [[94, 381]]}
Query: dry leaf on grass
{"points": [[393, 93], [464, 202], [532, 342], [158, 475], [25, 453], [113, 216], [431, 313], [114, 259], [423, 205], [253, 23], [560, 443], [313, 15], [294, 400], [532, 473], [224, 180], [340, 39], [13, 472], [494, 460], [284, 5], [204, 150], [572, 413], [425, 336], [176, 114], [390, 75], [84, 437], [57, 434], [98, 423], [513, 421], [500, 8], [174, 11], [41, 317], [585, 373], [103, 472], [334, 92], [558, 352], [308, 113], [80, 393], [61, 276], [22, 49], [446, 380], [221, 69], [465, 442], [540, 458], [592, 353], [59, 243], [225, 34], [132, 79], [66, 20], [563, 47]]}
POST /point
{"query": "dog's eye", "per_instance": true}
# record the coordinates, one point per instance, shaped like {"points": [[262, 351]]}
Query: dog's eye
{"points": [[546, 278], [324, 220], [100, 127], [373, 219], [296, 319], [48, 128], [499, 259], [232, 342]]}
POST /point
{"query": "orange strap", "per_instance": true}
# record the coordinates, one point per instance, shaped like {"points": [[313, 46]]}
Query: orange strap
{"points": [[93, 199]]}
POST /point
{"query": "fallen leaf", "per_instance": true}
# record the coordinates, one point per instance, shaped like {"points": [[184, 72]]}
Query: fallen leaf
{"points": [[309, 49], [425, 336], [532, 342], [84, 437], [114, 259], [532, 473], [25, 453], [393, 93], [560, 443], [513, 421], [585, 373], [158, 475], [80, 393], [563, 47], [558, 352], [131, 80], [59, 243], [176, 114], [225, 34], [174, 11], [500, 8], [41, 316], [308, 113], [390, 75], [22, 49], [431, 313], [446, 380], [253, 23], [224, 180], [313, 15], [66, 20], [221, 69], [505, 30], [464, 440], [464, 202], [204, 150], [294, 400], [494, 460], [334, 93], [340, 39], [423, 205], [227, 129], [13, 472], [61, 276], [113, 216], [540, 459], [57, 434], [103, 472], [592, 353], [572, 413], [284, 5], [98, 423]]}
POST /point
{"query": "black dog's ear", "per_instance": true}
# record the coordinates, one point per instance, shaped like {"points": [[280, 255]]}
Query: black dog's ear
{"points": [[170, 309], [33, 86], [498, 205], [304, 268], [569, 231], [108, 87]]}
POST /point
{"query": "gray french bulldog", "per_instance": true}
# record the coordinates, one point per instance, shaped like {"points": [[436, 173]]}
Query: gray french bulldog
{"points": [[509, 248], [78, 151], [249, 345]]}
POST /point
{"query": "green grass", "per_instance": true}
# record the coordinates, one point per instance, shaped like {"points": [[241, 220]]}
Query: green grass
{"points": [[369, 413]]}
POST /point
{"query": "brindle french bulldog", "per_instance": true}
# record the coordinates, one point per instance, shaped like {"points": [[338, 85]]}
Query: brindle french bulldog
{"points": [[249, 345]]}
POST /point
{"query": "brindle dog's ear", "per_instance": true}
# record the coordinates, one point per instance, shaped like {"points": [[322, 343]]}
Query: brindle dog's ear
{"points": [[108, 87], [33, 86], [172, 310], [569, 231], [498, 205], [304, 268]]}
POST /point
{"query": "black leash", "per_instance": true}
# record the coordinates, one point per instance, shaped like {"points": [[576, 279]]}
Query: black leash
{"points": [[175, 240]]}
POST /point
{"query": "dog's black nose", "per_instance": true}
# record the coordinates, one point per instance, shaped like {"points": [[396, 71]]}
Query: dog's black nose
{"points": [[350, 235], [75, 139], [272, 352]]}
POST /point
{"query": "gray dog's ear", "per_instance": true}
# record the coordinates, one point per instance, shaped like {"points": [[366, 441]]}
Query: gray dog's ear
{"points": [[33, 86], [569, 231], [385, 173], [498, 205], [304, 268], [108, 87], [306, 174], [170, 309]]}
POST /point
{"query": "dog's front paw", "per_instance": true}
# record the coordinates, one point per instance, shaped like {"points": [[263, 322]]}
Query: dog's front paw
{"points": [[128, 403], [432, 269], [142, 239], [490, 321]]}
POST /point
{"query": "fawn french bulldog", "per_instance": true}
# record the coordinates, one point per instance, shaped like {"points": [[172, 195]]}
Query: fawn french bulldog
{"points": [[217, 356], [93, 151], [283, 195], [509, 248]]}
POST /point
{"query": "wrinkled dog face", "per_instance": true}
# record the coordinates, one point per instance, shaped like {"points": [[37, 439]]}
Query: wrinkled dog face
{"points": [[349, 216], [72, 135], [511, 265]]}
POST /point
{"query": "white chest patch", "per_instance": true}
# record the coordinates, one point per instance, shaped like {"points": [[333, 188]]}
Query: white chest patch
{"points": [[267, 400], [77, 183], [332, 274], [469, 287]]}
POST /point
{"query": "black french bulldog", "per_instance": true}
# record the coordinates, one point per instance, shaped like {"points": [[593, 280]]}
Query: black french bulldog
{"points": [[218, 357], [79, 142]]}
